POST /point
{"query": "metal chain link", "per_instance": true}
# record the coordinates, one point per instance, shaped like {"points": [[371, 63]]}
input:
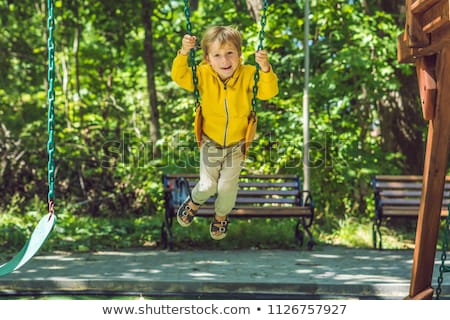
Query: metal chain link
{"points": [[442, 267], [51, 101], [192, 62], [260, 47]]}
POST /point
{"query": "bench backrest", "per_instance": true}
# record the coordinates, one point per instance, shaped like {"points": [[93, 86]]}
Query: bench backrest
{"points": [[254, 190], [403, 193]]}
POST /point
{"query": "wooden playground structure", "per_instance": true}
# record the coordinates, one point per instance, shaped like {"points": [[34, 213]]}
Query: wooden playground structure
{"points": [[426, 42]]}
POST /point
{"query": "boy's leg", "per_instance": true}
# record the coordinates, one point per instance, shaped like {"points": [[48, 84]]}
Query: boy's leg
{"points": [[207, 185], [228, 183], [210, 164], [227, 188], [186, 212]]}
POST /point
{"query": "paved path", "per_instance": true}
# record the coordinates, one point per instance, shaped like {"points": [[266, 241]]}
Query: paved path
{"points": [[326, 272]]}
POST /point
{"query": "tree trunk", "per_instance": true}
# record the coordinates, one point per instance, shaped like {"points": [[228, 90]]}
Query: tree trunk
{"points": [[239, 4], [194, 5], [42, 8], [402, 124], [254, 7], [65, 88], [76, 55], [155, 135]]}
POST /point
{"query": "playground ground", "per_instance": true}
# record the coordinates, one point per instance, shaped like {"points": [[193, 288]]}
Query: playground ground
{"points": [[326, 272]]}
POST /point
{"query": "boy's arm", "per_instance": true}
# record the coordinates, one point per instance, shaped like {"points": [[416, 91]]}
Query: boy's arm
{"points": [[267, 85], [181, 72]]}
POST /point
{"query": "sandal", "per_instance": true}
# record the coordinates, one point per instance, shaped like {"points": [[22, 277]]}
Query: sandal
{"points": [[218, 229], [185, 213]]}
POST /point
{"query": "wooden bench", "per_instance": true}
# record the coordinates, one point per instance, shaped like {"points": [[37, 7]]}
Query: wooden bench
{"points": [[399, 196], [259, 196]]}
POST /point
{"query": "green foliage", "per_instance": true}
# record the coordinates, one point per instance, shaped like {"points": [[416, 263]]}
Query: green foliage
{"points": [[108, 176], [73, 233]]}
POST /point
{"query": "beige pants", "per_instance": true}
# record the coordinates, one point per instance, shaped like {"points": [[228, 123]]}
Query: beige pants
{"points": [[219, 175]]}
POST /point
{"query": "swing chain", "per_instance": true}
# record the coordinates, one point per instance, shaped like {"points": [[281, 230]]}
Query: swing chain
{"points": [[260, 47], [442, 267], [51, 100], [263, 24], [192, 62]]}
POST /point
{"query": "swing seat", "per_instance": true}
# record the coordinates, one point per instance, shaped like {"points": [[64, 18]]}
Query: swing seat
{"points": [[32, 246], [251, 132], [198, 125], [47, 222]]}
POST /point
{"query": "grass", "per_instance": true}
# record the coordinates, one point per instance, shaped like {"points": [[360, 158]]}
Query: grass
{"points": [[352, 233], [85, 233], [81, 234]]}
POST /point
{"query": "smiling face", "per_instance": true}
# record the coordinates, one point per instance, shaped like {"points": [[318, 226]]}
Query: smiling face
{"points": [[224, 58]]}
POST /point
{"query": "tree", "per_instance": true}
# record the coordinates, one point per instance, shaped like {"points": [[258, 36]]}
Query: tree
{"points": [[401, 121], [254, 8], [115, 95], [148, 6]]}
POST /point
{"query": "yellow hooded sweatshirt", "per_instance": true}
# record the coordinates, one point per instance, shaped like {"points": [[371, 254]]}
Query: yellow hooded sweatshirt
{"points": [[225, 106]]}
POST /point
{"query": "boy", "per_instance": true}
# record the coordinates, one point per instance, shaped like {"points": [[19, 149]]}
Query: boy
{"points": [[225, 87]]}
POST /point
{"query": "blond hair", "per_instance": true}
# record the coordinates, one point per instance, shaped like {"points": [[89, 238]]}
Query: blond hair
{"points": [[222, 34]]}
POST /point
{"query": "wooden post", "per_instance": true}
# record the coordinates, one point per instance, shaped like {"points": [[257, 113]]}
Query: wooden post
{"points": [[426, 77], [426, 41], [433, 181], [415, 36]]}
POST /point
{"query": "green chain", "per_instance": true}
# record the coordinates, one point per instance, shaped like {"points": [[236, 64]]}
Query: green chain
{"points": [[187, 13], [51, 101], [260, 47], [442, 267]]}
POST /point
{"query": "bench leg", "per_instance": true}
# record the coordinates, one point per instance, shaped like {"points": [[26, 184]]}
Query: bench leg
{"points": [[311, 242], [300, 235], [374, 236], [166, 237], [166, 233], [376, 232]]}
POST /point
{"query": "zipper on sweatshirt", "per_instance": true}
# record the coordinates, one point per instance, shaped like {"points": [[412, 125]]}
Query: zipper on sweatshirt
{"points": [[226, 114]]}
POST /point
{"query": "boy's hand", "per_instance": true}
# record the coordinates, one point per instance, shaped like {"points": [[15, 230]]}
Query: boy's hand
{"points": [[187, 44], [263, 60]]}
